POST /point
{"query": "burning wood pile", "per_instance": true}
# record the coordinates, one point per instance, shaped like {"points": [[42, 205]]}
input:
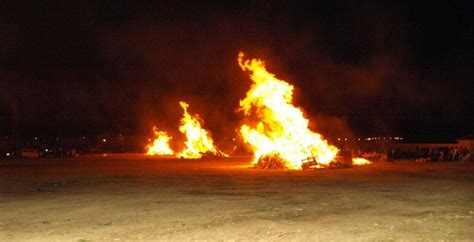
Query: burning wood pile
{"points": [[160, 145], [198, 142], [274, 129], [270, 161], [274, 161]]}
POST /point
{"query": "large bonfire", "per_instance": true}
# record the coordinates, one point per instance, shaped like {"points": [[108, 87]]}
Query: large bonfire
{"points": [[198, 140], [276, 130]]}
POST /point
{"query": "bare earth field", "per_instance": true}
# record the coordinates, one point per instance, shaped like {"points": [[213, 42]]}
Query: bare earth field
{"points": [[132, 197]]}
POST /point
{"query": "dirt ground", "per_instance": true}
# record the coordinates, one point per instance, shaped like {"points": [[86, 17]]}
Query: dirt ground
{"points": [[132, 197]]}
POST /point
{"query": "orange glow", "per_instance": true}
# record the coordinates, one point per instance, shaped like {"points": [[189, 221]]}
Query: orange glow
{"points": [[360, 161], [198, 140], [160, 145], [275, 126]]}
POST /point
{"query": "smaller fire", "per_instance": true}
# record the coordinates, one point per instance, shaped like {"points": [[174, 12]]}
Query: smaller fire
{"points": [[198, 140], [160, 145], [360, 161]]}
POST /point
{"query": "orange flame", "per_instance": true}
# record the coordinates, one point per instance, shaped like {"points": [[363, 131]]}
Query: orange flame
{"points": [[160, 145], [281, 128], [360, 161], [198, 140]]}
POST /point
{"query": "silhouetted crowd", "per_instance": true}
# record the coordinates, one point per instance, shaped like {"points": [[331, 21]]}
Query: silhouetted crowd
{"points": [[442, 153]]}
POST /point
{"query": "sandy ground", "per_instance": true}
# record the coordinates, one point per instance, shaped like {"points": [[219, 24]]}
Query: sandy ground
{"points": [[132, 197]]}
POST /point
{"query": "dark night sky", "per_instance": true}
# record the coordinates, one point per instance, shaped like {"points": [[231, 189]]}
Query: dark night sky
{"points": [[74, 67]]}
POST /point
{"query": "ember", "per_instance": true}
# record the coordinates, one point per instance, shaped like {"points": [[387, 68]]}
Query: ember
{"points": [[360, 161], [270, 161]]}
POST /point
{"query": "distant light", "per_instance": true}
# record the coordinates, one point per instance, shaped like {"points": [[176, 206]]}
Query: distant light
{"points": [[6, 137], [57, 138], [149, 140], [345, 139], [7, 154], [358, 139], [338, 139], [83, 137], [401, 138], [104, 140], [36, 138]]}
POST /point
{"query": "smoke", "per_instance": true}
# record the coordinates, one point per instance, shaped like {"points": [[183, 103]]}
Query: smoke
{"points": [[124, 66], [179, 61]]}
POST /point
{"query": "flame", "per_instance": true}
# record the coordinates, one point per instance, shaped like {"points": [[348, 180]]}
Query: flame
{"points": [[360, 161], [160, 145], [198, 140], [280, 128]]}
